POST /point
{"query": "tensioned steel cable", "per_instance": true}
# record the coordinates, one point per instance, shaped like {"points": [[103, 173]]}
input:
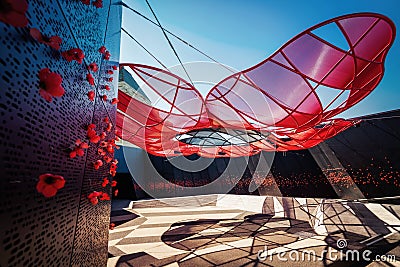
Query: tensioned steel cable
{"points": [[176, 36], [169, 41], [142, 46]]}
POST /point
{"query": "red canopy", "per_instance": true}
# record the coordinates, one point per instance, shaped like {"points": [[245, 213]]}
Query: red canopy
{"points": [[279, 98]]}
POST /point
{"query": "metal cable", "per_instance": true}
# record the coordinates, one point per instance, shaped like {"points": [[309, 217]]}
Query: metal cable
{"points": [[142, 46], [169, 41], [177, 37]]}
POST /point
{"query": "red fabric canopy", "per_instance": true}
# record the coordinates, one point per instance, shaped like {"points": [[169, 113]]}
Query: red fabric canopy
{"points": [[289, 98]]}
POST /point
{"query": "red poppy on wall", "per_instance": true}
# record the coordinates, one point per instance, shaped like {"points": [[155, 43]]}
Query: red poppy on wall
{"points": [[79, 149], [110, 79], [105, 119], [74, 54], [93, 67], [98, 3], [85, 2], [91, 133], [97, 164], [93, 197], [102, 50], [94, 138], [112, 225], [114, 183], [110, 72], [109, 127], [105, 182], [50, 84], [114, 67], [101, 151], [104, 196], [49, 184], [107, 159], [107, 55], [90, 79], [91, 95], [114, 101], [116, 192], [104, 97], [107, 87], [53, 41], [13, 12]]}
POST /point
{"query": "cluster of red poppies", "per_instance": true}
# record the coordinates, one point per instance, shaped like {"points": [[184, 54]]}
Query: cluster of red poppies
{"points": [[50, 85], [95, 196], [94, 68], [96, 3], [105, 150]]}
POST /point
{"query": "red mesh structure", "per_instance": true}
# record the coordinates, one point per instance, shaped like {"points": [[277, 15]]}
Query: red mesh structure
{"points": [[286, 102]]}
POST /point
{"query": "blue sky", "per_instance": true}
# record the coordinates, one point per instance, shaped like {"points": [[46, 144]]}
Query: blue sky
{"points": [[240, 34]]}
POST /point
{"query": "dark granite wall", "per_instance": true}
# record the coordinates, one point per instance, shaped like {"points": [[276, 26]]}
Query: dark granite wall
{"points": [[35, 136], [368, 153]]}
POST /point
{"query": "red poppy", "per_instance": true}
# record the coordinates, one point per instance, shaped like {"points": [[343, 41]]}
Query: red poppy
{"points": [[72, 154], [93, 197], [94, 139], [49, 184], [93, 67], [107, 159], [110, 79], [94, 200], [103, 143], [91, 126], [114, 101], [13, 12], [113, 166], [109, 127], [102, 50], [107, 55], [104, 196], [90, 79], [103, 135], [105, 182], [53, 41], [114, 67], [107, 87], [116, 192], [85, 2], [114, 183], [112, 225], [110, 148], [84, 145], [79, 149], [97, 164], [73, 54], [91, 133], [101, 152], [50, 84], [105, 119], [113, 173], [104, 97], [80, 152], [91, 95], [98, 3], [110, 72]]}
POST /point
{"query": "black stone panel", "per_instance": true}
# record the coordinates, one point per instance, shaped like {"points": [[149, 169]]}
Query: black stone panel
{"points": [[35, 137], [370, 153]]}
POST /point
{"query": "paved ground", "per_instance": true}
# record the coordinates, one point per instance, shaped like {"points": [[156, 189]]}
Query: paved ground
{"points": [[233, 230]]}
